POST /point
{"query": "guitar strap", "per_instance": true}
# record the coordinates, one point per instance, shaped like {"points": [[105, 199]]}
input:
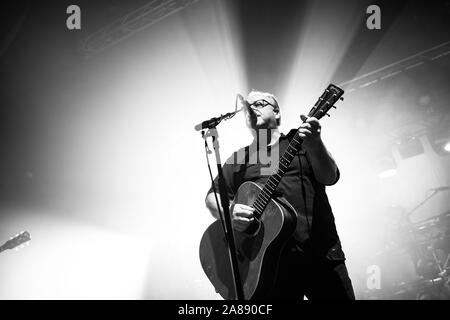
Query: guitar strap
{"points": [[303, 163], [308, 223]]}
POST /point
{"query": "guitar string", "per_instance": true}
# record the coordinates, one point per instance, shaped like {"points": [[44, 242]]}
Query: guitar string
{"points": [[260, 200]]}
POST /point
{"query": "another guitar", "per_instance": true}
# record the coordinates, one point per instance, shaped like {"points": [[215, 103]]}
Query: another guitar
{"points": [[18, 240], [258, 249]]}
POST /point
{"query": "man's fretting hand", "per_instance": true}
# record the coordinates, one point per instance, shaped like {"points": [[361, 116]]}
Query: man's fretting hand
{"points": [[309, 131], [324, 167]]}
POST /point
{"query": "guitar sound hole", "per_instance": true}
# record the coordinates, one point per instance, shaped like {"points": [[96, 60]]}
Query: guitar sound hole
{"points": [[253, 228]]}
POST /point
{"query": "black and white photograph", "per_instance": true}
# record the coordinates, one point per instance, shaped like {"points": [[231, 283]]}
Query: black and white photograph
{"points": [[225, 150]]}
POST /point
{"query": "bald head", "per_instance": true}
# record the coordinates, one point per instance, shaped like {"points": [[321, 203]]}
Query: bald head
{"points": [[266, 110], [255, 96]]}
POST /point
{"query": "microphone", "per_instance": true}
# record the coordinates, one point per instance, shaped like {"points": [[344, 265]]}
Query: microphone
{"points": [[213, 122], [250, 111], [208, 124], [443, 188]]}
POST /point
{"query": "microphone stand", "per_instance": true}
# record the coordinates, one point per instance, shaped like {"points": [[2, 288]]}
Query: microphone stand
{"points": [[225, 218]]}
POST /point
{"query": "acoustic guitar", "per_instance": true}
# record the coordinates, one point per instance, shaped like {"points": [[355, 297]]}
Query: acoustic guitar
{"points": [[258, 249]]}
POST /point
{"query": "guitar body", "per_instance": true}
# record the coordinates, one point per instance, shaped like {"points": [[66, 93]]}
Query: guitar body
{"points": [[257, 252]]}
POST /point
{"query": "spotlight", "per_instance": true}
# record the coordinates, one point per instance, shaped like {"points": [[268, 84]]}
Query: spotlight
{"points": [[386, 166], [447, 147], [440, 140], [410, 147], [387, 173]]}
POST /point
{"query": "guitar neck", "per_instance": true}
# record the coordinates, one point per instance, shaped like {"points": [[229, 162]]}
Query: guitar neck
{"points": [[323, 104], [274, 180]]}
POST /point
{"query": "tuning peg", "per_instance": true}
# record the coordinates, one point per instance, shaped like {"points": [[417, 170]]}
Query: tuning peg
{"points": [[327, 114], [341, 98], [334, 107]]}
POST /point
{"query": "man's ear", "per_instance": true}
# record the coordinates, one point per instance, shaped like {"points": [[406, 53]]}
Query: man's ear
{"points": [[277, 113]]}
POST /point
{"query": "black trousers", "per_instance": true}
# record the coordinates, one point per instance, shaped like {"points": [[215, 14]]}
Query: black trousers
{"points": [[302, 274]]}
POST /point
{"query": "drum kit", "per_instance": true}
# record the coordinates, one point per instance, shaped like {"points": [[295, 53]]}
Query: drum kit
{"points": [[427, 243], [417, 257]]}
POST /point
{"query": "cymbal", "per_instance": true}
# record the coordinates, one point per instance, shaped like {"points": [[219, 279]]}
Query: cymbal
{"points": [[439, 223], [442, 220]]}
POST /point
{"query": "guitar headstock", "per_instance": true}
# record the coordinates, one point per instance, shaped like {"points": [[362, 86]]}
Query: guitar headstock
{"points": [[17, 240], [326, 101]]}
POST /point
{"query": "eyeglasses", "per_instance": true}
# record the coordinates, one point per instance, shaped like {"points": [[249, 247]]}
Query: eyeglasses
{"points": [[259, 104]]}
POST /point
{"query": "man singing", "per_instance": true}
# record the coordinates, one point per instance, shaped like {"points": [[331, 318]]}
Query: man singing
{"points": [[312, 263]]}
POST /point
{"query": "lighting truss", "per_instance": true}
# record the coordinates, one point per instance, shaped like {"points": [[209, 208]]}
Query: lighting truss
{"points": [[398, 67], [133, 22]]}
